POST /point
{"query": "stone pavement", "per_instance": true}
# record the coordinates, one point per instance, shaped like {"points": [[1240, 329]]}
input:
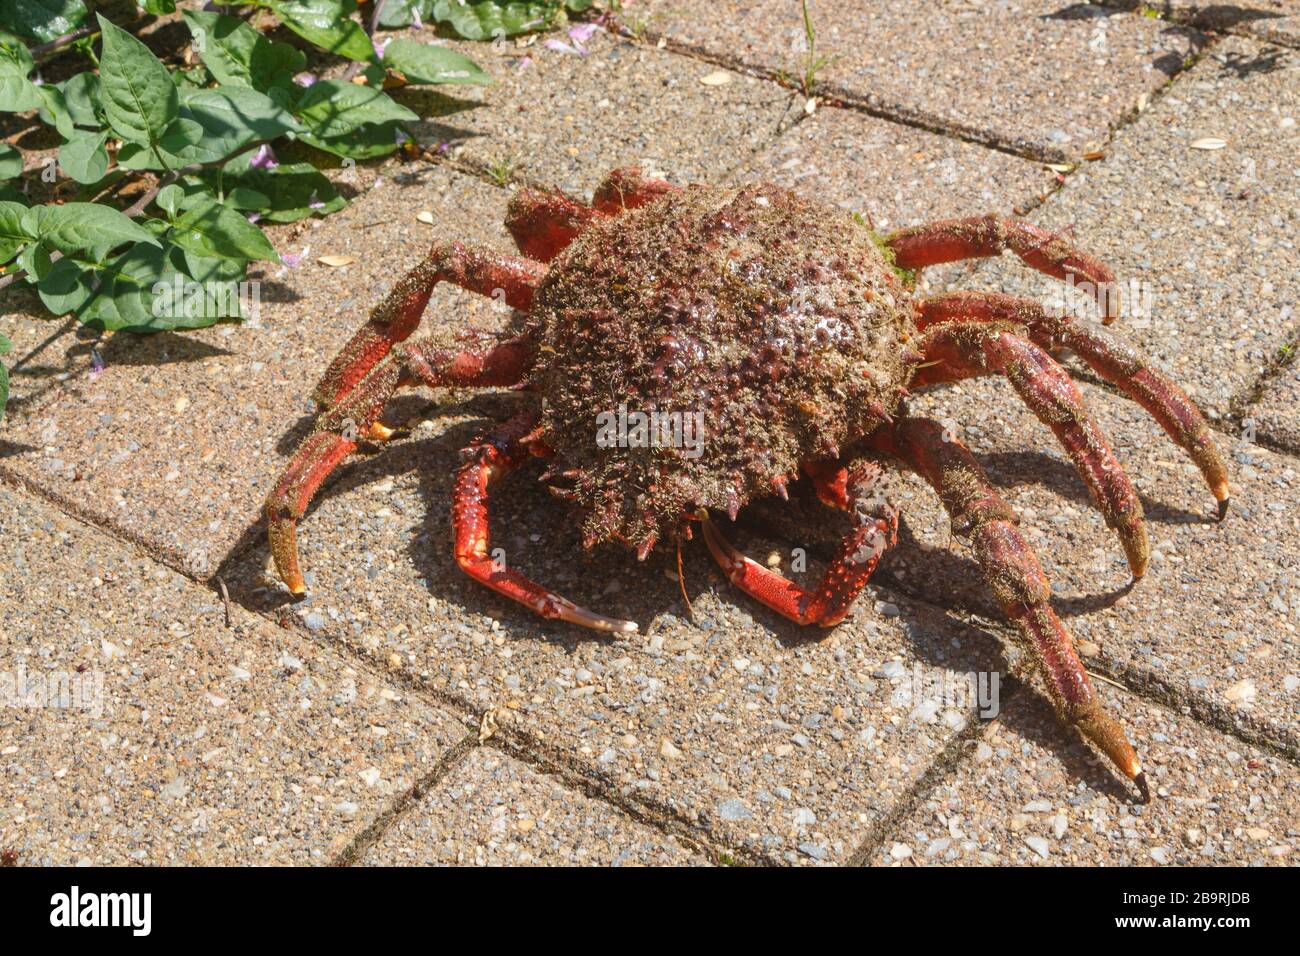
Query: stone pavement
{"points": [[402, 714]]}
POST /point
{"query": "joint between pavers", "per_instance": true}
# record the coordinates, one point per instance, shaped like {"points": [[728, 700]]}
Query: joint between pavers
{"points": [[943, 768], [351, 854], [522, 747]]}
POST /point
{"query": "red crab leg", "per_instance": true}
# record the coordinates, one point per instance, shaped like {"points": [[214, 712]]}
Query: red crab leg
{"points": [[628, 188], [544, 223], [1014, 575], [847, 574], [962, 350], [1109, 356], [485, 461], [475, 268], [949, 240], [339, 429]]}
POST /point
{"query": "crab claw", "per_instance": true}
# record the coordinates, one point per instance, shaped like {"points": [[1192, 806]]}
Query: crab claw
{"points": [[283, 534]]}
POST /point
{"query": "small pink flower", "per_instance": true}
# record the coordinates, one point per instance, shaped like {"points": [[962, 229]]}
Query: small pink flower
{"points": [[380, 46], [305, 79], [96, 363], [524, 64], [583, 32], [293, 259], [264, 158], [400, 137], [416, 22], [559, 46], [254, 216], [313, 202]]}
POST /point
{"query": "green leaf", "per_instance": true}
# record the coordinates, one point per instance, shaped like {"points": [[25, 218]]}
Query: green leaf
{"points": [[83, 157], [230, 118], [169, 198], [67, 286], [54, 110], [17, 93], [210, 268], [327, 24], [485, 19], [238, 55], [424, 63], [4, 385], [400, 13], [158, 7], [11, 161], [13, 234], [81, 97], [35, 261], [74, 226], [289, 189], [213, 229], [42, 20], [5, 345], [333, 108], [139, 97], [368, 142]]}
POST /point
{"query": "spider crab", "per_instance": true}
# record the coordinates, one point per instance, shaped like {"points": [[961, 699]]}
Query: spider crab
{"points": [[790, 328]]}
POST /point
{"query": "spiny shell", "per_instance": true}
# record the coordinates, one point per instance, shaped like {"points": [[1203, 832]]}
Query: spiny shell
{"points": [[774, 322]]}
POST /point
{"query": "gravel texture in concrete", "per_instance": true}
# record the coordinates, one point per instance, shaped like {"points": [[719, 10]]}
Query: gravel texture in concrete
{"points": [[137, 727], [897, 175], [1047, 78], [1022, 798], [563, 119], [1277, 413], [1277, 21], [493, 810]]}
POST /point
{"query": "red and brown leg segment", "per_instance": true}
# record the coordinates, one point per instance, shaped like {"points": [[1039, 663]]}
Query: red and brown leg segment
{"points": [[1015, 576], [543, 223], [1109, 356], [950, 240], [356, 416], [486, 460], [875, 529], [962, 350], [475, 268]]}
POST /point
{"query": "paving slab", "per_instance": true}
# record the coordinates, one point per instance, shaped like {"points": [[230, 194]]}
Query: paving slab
{"points": [[177, 441], [1214, 620], [1205, 236], [563, 119], [896, 175], [1046, 78], [494, 810], [153, 733], [1276, 415], [1277, 21], [46, 351], [783, 743], [1022, 799]]}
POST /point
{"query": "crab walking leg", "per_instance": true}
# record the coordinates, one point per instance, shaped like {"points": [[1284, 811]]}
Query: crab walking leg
{"points": [[963, 350], [1015, 576], [1115, 360], [949, 240], [485, 461], [544, 223], [627, 188], [876, 529], [475, 268], [339, 429]]}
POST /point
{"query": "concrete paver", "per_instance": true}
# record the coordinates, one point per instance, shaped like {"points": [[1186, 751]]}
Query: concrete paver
{"points": [[149, 732], [1022, 798], [1277, 21], [1040, 77], [493, 810]]}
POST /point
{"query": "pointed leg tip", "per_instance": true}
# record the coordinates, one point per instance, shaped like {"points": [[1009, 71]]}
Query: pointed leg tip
{"points": [[1143, 788], [1224, 503]]}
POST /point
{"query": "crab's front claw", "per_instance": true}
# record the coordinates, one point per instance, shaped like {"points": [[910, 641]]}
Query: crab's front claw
{"points": [[315, 459]]}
